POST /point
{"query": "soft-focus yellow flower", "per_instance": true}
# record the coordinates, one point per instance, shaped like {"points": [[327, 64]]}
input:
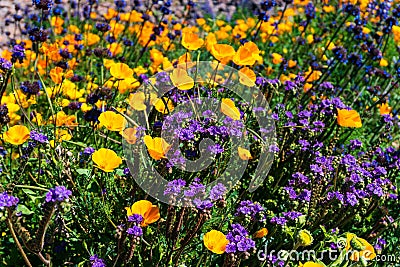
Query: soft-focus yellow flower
{"points": [[121, 71], [91, 38], [215, 241], [157, 146], [383, 62], [223, 52], [191, 41], [348, 118], [16, 135], [146, 209], [181, 79], [112, 121], [229, 109], [247, 77], [247, 54], [244, 154], [276, 58], [106, 159], [63, 119]]}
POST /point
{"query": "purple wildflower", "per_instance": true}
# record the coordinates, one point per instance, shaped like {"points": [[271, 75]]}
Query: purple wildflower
{"points": [[58, 194], [7, 200]]}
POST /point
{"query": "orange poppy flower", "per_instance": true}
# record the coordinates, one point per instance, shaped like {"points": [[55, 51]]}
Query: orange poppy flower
{"points": [[348, 118], [215, 241], [384, 109], [106, 159], [247, 77], [121, 71], [229, 109], [146, 209], [16, 135], [261, 233], [129, 134], [181, 79], [247, 54], [191, 41], [244, 154], [276, 58], [112, 121], [223, 52], [56, 75], [157, 146]]}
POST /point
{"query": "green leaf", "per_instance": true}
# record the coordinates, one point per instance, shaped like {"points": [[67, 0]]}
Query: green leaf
{"points": [[85, 172], [28, 191], [24, 210]]}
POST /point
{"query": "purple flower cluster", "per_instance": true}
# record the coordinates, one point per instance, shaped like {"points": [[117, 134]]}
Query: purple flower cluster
{"points": [[249, 208], [239, 240], [195, 192], [18, 53], [7, 200], [96, 261], [217, 192], [5, 65], [282, 220], [38, 137], [58, 194], [135, 229], [174, 188]]}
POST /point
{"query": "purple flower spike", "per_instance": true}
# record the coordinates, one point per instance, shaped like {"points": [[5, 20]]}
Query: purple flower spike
{"points": [[58, 193], [7, 200]]}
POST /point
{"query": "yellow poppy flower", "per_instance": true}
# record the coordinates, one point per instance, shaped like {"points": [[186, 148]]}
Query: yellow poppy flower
{"points": [[247, 54], [146, 209], [121, 71], [247, 77], [244, 154], [16, 135], [191, 41], [261, 233], [137, 100], [229, 109], [112, 121], [106, 159], [360, 246], [310, 264], [157, 146], [276, 58], [223, 52], [181, 79], [348, 118], [129, 134], [164, 105], [62, 134], [215, 241]]}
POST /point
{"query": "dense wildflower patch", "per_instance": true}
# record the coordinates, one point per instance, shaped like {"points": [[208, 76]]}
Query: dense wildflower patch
{"points": [[276, 133]]}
